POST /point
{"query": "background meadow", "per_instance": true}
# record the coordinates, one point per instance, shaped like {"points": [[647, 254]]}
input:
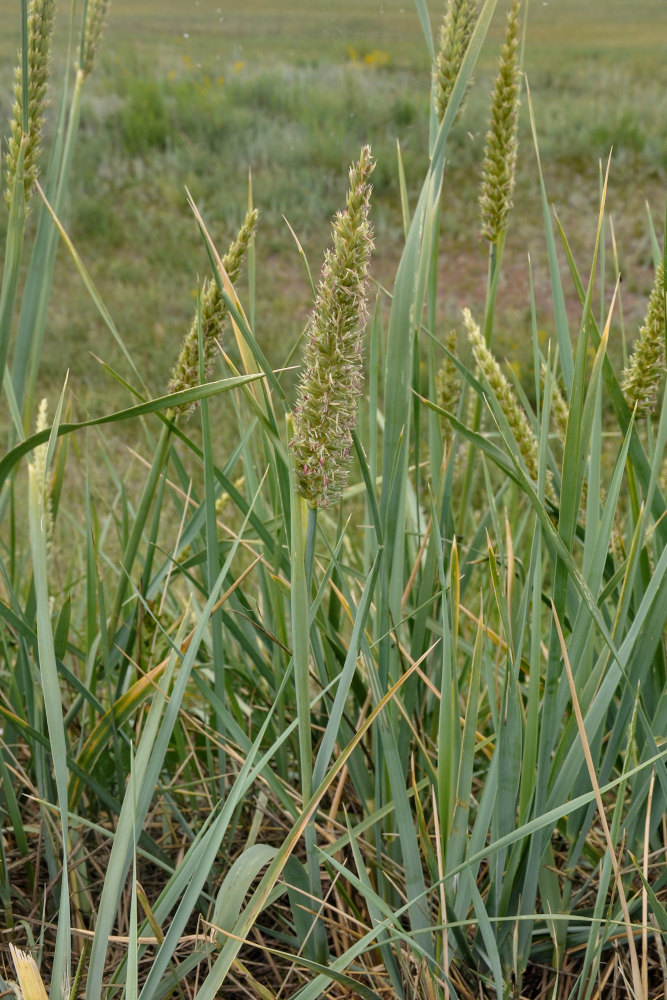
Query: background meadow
{"points": [[196, 95], [408, 745]]}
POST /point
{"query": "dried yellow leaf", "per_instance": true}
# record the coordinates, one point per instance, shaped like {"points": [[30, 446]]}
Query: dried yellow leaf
{"points": [[27, 973]]}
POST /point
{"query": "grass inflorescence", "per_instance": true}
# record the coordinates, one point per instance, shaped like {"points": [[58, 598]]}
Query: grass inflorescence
{"points": [[211, 316], [30, 95], [644, 374], [500, 153], [326, 411], [455, 31]]}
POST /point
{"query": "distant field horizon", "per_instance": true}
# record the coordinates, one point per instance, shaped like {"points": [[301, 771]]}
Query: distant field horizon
{"points": [[288, 28]]}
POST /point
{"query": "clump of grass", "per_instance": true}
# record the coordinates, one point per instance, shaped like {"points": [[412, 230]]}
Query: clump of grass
{"points": [[366, 743], [28, 116], [326, 410]]}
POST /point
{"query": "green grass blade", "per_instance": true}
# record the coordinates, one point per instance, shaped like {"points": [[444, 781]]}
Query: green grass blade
{"points": [[336, 712], [167, 403], [560, 313], [425, 22], [13, 252], [402, 186], [48, 672]]}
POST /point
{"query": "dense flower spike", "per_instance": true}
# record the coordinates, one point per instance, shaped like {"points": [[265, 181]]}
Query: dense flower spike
{"points": [[185, 373], [641, 378], [455, 32], [326, 409], [448, 386], [560, 411], [95, 15], [38, 468], [509, 404], [40, 29], [502, 143]]}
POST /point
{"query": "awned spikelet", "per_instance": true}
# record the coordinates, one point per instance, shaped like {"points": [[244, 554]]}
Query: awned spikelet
{"points": [[502, 144], [641, 379], [456, 29], [326, 410], [40, 29], [185, 373]]}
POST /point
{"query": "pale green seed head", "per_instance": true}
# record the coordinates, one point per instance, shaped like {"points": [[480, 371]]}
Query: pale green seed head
{"points": [[560, 409], [185, 373], [455, 31], [642, 377], [507, 400], [41, 15], [92, 33], [448, 386], [499, 168], [38, 471], [326, 410]]}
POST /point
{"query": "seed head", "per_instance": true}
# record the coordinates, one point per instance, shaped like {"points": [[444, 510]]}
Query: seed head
{"points": [[38, 470], [641, 378], [448, 386], [560, 409], [455, 31], [92, 33], [326, 410], [40, 29], [500, 153], [185, 373], [509, 404]]}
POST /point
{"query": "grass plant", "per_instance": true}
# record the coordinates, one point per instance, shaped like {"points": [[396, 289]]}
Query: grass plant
{"points": [[361, 691]]}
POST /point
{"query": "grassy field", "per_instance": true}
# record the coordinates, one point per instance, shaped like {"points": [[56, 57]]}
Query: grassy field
{"points": [[199, 97], [351, 683]]}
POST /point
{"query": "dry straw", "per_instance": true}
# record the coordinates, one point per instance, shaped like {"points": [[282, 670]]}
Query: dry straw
{"points": [[642, 377], [326, 410], [213, 312], [500, 153], [30, 985], [455, 32], [40, 29]]}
